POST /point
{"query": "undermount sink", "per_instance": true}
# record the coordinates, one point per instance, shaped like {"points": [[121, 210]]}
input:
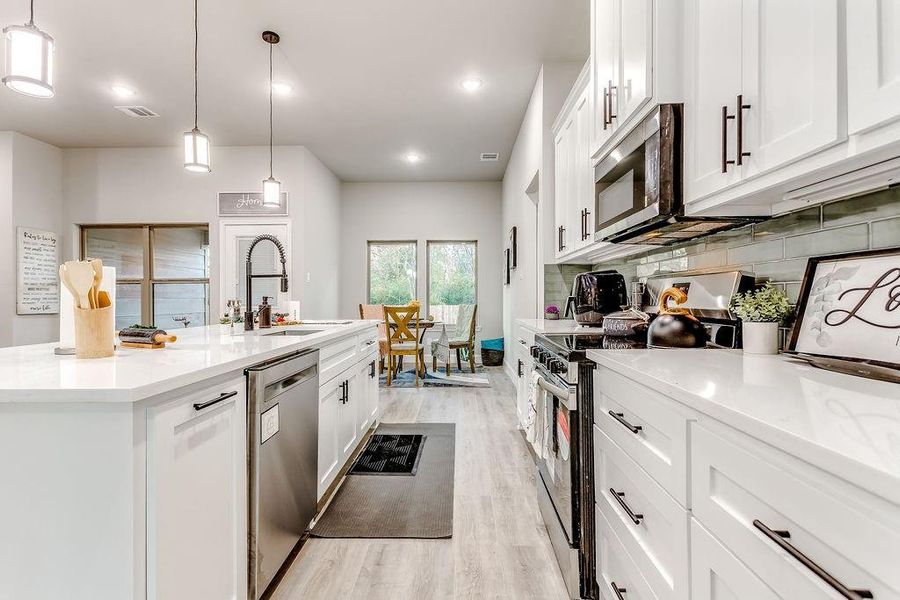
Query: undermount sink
{"points": [[294, 332]]}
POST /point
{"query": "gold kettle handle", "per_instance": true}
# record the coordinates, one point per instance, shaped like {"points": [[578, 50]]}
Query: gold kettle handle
{"points": [[676, 294]]}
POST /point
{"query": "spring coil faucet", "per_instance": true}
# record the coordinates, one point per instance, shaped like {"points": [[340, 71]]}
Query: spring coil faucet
{"points": [[248, 314]]}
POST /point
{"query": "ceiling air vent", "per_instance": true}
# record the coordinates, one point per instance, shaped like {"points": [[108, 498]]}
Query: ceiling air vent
{"points": [[138, 112], [490, 156]]}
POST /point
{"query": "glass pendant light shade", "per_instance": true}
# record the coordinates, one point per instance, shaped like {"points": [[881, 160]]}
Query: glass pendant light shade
{"points": [[271, 192], [29, 60], [196, 151]]}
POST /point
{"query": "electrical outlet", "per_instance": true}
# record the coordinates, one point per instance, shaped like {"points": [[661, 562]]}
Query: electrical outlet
{"points": [[308, 277]]}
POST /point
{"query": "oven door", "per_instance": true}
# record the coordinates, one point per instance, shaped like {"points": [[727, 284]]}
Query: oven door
{"points": [[636, 183], [558, 467]]}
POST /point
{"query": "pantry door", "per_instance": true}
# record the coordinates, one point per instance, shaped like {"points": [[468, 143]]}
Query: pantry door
{"points": [[236, 237]]}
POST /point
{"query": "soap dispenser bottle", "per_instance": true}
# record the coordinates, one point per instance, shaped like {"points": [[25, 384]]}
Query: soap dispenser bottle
{"points": [[265, 314]]}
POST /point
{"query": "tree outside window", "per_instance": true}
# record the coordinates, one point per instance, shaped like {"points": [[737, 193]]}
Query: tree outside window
{"points": [[452, 278], [392, 272]]}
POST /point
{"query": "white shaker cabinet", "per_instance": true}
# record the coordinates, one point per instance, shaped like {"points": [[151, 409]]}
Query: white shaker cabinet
{"points": [[635, 83], [197, 495], [562, 154], [604, 68], [763, 87], [365, 387], [330, 403], [873, 63]]}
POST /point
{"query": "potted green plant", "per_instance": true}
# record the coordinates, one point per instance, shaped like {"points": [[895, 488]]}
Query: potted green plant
{"points": [[761, 312]]}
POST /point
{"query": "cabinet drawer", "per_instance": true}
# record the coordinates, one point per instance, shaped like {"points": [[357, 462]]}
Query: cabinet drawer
{"points": [[745, 492], [657, 439], [655, 532], [336, 357], [367, 340], [717, 575], [615, 569]]}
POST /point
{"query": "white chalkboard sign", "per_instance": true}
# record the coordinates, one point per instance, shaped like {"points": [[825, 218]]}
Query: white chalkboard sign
{"points": [[37, 272]]}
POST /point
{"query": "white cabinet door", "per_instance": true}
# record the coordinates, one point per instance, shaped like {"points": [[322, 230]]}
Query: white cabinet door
{"points": [[873, 63], [583, 199], [374, 392], [197, 495], [789, 81], [635, 57], [347, 427], [604, 67], [716, 574], [714, 73], [330, 404], [562, 182], [361, 395]]}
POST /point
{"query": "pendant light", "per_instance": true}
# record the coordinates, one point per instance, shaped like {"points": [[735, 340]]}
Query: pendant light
{"points": [[271, 186], [29, 59], [196, 144]]}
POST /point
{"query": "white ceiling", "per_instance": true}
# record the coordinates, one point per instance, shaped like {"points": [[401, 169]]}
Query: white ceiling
{"points": [[372, 79]]}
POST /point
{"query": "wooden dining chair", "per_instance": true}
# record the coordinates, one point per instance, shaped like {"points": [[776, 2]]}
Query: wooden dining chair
{"points": [[402, 338], [375, 312], [460, 337]]}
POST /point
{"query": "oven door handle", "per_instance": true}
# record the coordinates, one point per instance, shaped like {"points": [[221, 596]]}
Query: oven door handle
{"points": [[565, 397]]}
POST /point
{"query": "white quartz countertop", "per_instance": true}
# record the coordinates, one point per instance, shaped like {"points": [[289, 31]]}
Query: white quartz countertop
{"points": [[35, 374], [846, 425], [560, 326]]}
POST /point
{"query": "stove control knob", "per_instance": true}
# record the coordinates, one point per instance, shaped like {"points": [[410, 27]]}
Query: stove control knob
{"points": [[534, 351], [558, 367]]}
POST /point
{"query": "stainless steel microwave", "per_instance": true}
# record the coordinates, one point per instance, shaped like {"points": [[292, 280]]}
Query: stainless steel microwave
{"points": [[638, 187]]}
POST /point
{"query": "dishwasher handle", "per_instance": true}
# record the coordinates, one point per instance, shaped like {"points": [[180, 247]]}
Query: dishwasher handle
{"points": [[291, 381]]}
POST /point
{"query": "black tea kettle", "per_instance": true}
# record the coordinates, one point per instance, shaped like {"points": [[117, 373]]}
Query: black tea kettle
{"points": [[675, 327]]}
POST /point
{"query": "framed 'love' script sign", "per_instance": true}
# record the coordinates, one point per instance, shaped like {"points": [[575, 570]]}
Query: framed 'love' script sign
{"points": [[849, 309]]}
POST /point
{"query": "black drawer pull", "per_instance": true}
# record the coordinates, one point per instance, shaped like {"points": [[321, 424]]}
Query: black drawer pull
{"points": [[780, 538], [620, 417], [636, 518], [208, 403], [619, 592], [372, 370]]}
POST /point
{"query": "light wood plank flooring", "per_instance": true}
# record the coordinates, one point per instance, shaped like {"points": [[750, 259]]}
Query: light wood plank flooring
{"points": [[499, 547]]}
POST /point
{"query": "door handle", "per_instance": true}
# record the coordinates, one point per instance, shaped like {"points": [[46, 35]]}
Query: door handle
{"points": [[636, 518], [741, 107], [612, 88], [725, 119], [619, 592], [605, 111], [780, 538], [519, 369], [344, 391], [207, 404], [562, 237], [372, 370]]}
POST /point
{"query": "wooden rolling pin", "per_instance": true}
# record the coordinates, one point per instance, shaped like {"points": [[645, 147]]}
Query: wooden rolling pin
{"points": [[138, 337]]}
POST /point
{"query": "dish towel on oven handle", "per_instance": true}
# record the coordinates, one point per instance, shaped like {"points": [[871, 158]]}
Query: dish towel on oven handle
{"points": [[539, 421]]}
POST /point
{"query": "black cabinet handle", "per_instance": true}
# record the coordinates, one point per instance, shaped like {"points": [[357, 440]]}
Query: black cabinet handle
{"points": [[619, 592], [520, 367], [344, 391], [725, 118], [587, 224], [372, 370], [780, 538], [741, 107], [612, 88], [636, 518], [208, 403], [605, 111], [620, 417], [562, 237]]}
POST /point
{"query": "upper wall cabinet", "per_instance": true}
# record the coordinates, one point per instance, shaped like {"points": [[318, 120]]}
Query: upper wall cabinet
{"points": [[635, 63], [762, 90], [573, 175], [873, 63]]}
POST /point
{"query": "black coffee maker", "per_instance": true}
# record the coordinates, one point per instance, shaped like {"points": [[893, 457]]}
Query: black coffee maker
{"points": [[596, 294]]}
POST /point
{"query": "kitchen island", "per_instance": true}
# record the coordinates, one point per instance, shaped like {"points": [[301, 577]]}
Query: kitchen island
{"points": [[122, 480]]}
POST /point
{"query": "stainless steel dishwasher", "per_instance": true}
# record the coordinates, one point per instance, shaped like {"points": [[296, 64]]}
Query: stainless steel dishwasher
{"points": [[282, 431]]}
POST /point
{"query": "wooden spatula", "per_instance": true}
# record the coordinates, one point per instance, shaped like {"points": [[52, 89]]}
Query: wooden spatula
{"points": [[97, 266], [81, 276], [64, 278]]}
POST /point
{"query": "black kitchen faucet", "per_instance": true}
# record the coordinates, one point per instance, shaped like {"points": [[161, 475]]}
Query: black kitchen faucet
{"points": [[248, 314]]}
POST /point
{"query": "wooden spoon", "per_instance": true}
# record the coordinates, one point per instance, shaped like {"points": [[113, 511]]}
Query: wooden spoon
{"points": [[103, 299], [64, 278], [97, 266], [81, 276]]}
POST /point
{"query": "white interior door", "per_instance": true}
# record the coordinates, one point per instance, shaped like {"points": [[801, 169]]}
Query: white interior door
{"points": [[790, 80], [236, 239], [873, 63]]}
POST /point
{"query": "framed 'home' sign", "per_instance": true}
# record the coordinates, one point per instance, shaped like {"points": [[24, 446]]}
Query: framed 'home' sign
{"points": [[848, 314], [242, 204]]}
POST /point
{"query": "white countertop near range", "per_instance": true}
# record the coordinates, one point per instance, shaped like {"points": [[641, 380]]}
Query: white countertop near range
{"points": [[846, 425], [35, 374], [558, 327]]}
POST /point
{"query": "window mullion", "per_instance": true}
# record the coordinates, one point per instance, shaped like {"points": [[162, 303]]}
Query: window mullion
{"points": [[147, 316]]}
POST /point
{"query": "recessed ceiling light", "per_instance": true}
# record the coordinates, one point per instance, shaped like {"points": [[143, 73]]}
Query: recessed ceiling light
{"points": [[122, 91], [280, 87], [472, 84], [412, 157]]}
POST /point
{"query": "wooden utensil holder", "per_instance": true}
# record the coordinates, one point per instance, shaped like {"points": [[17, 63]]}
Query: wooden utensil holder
{"points": [[94, 332]]}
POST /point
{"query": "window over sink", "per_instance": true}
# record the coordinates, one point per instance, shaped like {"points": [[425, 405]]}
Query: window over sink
{"points": [[162, 271]]}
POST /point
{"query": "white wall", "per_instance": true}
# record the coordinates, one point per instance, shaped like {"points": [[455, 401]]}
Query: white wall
{"points": [[527, 208], [149, 185], [423, 211], [30, 196]]}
